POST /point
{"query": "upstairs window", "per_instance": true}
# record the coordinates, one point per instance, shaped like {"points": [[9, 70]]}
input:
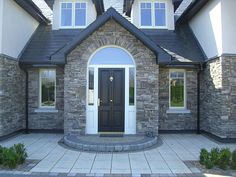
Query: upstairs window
{"points": [[80, 14], [160, 14], [73, 14], [152, 14], [66, 14], [146, 14]]}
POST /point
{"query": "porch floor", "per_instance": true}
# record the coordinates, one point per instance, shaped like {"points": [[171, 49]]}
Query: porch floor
{"points": [[97, 143], [168, 158]]}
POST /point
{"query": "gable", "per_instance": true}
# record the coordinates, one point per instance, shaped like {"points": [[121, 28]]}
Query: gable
{"points": [[111, 14]]}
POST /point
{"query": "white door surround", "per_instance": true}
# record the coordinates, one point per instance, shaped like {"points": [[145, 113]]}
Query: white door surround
{"points": [[109, 57]]}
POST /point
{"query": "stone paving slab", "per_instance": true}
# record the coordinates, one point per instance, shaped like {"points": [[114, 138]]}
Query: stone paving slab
{"points": [[165, 160]]}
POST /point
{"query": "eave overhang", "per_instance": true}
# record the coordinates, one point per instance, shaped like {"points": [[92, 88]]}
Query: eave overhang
{"points": [[191, 11], [33, 10]]}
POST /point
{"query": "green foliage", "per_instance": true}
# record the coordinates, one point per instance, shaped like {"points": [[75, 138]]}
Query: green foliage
{"points": [[13, 156], [21, 152], [214, 156], [209, 163], [233, 164], [10, 157], [204, 156], [1, 151], [224, 158]]}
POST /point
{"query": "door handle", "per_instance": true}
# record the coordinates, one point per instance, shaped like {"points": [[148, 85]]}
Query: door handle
{"points": [[111, 100], [99, 101]]}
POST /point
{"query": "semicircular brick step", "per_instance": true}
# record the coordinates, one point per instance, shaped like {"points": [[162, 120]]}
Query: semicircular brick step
{"points": [[95, 143]]}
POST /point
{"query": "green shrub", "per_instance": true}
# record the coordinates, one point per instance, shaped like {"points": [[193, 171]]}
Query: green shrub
{"points": [[233, 164], [209, 163], [13, 156], [21, 152], [1, 159], [204, 156], [10, 157], [214, 156], [224, 158]]}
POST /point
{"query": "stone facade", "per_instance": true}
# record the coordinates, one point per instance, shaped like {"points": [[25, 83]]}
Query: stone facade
{"points": [[218, 97], [146, 76], [177, 121], [43, 118], [12, 96]]}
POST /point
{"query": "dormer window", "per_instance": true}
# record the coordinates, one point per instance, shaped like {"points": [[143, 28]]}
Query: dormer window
{"points": [[152, 15], [73, 14]]}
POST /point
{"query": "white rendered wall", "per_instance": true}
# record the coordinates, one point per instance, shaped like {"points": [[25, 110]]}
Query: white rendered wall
{"points": [[91, 12], [207, 27], [229, 26], [1, 18], [135, 13], [18, 26]]}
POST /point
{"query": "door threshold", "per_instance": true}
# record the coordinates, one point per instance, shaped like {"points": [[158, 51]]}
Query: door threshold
{"points": [[111, 134]]}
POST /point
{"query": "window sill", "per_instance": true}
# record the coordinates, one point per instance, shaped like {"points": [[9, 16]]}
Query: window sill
{"points": [[152, 27], [178, 111], [46, 110]]}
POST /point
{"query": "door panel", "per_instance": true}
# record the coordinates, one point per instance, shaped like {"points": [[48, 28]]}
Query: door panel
{"points": [[111, 93]]}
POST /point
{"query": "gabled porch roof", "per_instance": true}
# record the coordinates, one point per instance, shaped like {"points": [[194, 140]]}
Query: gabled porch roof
{"points": [[111, 13]]}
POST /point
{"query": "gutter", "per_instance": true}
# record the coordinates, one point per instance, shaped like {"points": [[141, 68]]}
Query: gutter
{"points": [[26, 99], [199, 98]]}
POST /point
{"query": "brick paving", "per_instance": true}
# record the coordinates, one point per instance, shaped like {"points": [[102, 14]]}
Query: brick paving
{"points": [[169, 159]]}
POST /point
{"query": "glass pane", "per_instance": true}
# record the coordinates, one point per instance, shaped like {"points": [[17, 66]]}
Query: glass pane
{"points": [[160, 16], [146, 14], [91, 87], [83, 5], [111, 56], [80, 14], [48, 80], [66, 14], [80, 17], [177, 92], [131, 86], [162, 5]]}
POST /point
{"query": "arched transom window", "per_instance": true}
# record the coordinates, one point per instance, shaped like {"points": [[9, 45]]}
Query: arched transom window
{"points": [[111, 56]]}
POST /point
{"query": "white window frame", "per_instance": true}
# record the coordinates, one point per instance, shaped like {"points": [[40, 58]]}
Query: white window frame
{"points": [[153, 26], [40, 89], [73, 15], [185, 92]]}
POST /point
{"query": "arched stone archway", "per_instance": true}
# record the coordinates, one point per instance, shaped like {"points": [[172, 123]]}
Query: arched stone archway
{"points": [[75, 77]]}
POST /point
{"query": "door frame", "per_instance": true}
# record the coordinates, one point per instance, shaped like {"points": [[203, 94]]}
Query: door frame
{"points": [[92, 111]]}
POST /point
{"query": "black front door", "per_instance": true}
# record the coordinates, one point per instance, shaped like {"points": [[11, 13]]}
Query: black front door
{"points": [[111, 92]]}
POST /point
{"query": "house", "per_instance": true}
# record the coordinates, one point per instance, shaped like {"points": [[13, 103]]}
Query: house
{"points": [[133, 68]]}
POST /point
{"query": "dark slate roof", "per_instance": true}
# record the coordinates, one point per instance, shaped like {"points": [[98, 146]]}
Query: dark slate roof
{"points": [[181, 44], [33, 10], [49, 46], [45, 43]]}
